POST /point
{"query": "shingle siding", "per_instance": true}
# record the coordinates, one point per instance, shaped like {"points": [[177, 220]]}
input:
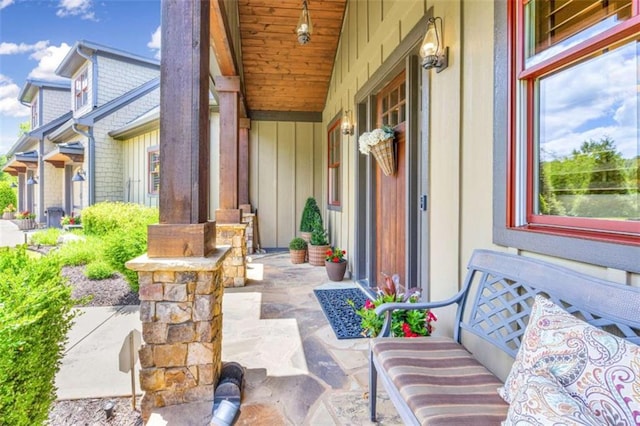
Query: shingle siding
{"points": [[55, 103], [116, 77]]}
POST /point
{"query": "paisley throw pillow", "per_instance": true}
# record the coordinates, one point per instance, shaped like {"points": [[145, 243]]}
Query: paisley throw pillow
{"points": [[594, 366]]}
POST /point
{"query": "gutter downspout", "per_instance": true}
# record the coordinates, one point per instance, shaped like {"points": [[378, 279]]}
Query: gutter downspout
{"points": [[92, 161], [42, 181]]}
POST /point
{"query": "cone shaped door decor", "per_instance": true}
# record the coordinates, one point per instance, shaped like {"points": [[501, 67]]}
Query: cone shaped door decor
{"points": [[380, 143], [385, 155]]}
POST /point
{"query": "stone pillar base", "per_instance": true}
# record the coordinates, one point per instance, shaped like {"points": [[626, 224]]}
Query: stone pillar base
{"points": [[181, 314]]}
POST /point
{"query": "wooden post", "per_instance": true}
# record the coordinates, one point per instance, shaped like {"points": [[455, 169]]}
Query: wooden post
{"points": [[243, 162], [228, 89], [184, 133]]}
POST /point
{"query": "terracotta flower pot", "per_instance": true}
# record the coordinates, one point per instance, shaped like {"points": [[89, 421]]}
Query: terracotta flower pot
{"points": [[317, 254], [298, 256], [8, 215], [336, 271]]}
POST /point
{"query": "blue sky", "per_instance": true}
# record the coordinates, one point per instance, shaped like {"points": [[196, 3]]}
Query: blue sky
{"points": [[35, 35]]}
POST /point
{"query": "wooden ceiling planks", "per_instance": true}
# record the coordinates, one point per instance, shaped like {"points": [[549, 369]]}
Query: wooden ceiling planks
{"points": [[279, 74]]}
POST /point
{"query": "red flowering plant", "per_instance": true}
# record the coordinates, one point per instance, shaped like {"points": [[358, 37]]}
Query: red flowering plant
{"points": [[404, 323], [335, 255]]}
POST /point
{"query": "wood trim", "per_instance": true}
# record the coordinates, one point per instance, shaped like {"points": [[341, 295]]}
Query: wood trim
{"points": [[220, 39], [181, 240]]}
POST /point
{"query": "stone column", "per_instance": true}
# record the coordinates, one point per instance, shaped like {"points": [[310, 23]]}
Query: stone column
{"points": [[181, 314], [235, 264]]}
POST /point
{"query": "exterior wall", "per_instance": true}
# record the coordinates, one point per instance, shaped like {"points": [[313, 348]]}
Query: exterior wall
{"points": [[55, 103], [286, 164], [460, 133], [109, 184], [54, 181], [135, 166], [117, 77]]}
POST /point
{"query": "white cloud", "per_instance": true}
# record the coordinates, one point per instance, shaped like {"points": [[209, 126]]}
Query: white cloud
{"points": [[595, 99], [156, 42], [15, 49], [5, 3], [9, 104], [49, 59], [81, 8]]}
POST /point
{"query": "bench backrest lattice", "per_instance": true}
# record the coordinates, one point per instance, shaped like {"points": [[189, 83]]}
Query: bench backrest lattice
{"points": [[505, 286]]}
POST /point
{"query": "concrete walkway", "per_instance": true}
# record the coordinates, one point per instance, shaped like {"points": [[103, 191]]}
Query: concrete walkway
{"points": [[10, 235]]}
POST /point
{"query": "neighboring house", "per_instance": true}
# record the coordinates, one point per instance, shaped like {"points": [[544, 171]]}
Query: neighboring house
{"points": [[78, 163]]}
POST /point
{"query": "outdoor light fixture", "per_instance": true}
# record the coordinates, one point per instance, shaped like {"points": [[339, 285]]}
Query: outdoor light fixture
{"points": [[305, 28], [79, 176], [347, 123], [33, 180], [14, 185], [431, 51]]}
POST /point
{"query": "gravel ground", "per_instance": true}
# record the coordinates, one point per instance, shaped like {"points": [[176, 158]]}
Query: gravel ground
{"points": [[90, 412]]}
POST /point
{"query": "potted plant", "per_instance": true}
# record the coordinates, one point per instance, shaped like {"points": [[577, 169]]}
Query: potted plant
{"points": [[335, 263], [310, 214], [26, 220], [319, 244], [9, 212], [379, 142], [298, 250]]}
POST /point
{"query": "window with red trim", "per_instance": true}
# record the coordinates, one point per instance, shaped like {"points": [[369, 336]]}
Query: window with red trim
{"points": [[81, 89], [575, 150], [334, 179]]}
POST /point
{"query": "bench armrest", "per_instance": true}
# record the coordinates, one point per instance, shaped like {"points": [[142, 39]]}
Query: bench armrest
{"points": [[388, 308]]}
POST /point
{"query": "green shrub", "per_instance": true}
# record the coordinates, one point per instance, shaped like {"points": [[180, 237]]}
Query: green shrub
{"points": [[81, 252], [310, 214], [7, 195], [107, 217], [298, 244], [47, 237], [98, 270], [35, 316], [120, 248]]}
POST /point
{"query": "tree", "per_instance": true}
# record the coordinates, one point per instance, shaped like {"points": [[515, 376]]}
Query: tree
{"points": [[24, 128]]}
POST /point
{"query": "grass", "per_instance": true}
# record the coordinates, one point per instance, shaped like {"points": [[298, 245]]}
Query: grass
{"points": [[47, 237]]}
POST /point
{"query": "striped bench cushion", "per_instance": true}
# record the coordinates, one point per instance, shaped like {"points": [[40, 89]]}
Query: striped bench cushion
{"points": [[441, 381]]}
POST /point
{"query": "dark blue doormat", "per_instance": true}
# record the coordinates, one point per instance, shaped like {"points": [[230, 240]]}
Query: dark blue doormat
{"points": [[343, 319]]}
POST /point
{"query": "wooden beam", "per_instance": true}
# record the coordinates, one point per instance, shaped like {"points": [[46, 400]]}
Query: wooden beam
{"points": [[184, 132], [221, 39], [228, 89], [243, 161]]}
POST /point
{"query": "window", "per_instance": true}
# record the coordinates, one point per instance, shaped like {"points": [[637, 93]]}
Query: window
{"points": [[154, 171], [35, 121], [392, 102], [81, 89], [575, 152], [334, 173]]}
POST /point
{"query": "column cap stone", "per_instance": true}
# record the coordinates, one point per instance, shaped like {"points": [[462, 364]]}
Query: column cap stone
{"points": [[198, 264]]}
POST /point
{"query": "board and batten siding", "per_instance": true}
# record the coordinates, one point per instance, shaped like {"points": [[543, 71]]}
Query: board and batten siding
{"points": [[136, 165], [286, 166]]}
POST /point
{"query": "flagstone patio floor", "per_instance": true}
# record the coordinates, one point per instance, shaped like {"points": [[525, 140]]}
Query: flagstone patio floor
{"points": [[296, 371]]}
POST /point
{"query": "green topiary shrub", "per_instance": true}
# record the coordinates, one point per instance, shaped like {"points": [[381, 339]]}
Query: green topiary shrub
{"points": [[120, 248], [98, 270], [35, 316], [319, 234], [310, 214], [107, 217], [298, 244], [7, 195]]}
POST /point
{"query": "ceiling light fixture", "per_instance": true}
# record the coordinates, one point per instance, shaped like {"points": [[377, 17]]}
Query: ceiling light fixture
{"points": [[305, 27]]}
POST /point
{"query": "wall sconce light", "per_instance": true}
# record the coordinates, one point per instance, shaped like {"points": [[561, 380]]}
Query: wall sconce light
{"points": [[33, 180], [305, 27], [347, 123], [433, 54], [79, 176]]}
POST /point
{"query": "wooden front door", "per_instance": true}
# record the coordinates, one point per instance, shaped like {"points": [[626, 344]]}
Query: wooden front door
{"points": [[391, 191]]}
